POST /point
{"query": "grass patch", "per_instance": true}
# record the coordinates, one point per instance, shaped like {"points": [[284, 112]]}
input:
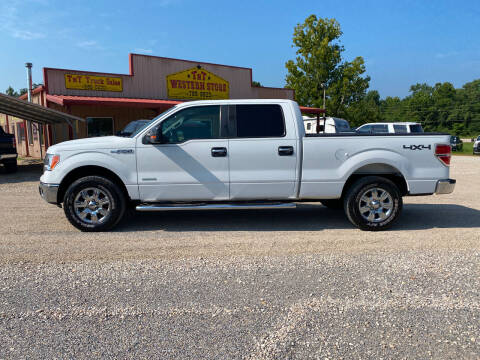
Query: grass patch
{"points": [[466, 150]]}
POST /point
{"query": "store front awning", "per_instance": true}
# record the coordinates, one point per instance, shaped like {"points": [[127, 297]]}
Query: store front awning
{"points": [[111, 101], [129, 102], [24, 110]]}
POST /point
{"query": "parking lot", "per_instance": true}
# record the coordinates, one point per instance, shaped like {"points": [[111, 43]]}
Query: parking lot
{"points": [[257, 284]]}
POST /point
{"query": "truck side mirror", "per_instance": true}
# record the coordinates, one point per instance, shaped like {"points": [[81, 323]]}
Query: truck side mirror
{"points": [[153, 136]]}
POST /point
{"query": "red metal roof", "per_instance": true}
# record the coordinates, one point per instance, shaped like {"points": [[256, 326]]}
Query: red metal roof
{"points": [[311, 110], [146, 103], [34, 91]]}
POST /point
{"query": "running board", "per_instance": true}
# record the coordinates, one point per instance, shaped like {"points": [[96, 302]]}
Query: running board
{"points": [[203, 206]]}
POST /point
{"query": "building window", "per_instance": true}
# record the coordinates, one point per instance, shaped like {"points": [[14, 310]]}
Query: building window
{"points": [[260, 121], [20, 131], [309, 126], [99, 126]]}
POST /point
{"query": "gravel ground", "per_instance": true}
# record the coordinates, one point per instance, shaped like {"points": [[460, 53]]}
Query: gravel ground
{"points": [[294, 284]]}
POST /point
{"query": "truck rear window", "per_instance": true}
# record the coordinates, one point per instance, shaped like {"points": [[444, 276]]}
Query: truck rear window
{"points": [[260, 121]]}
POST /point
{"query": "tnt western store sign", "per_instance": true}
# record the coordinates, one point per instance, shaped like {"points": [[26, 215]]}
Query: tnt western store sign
{"points": [[196, 83], [153, 84]]}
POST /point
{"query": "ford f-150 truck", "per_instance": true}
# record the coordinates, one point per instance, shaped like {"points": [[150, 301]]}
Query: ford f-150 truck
{"points": [[238, 154], [8, 151]]}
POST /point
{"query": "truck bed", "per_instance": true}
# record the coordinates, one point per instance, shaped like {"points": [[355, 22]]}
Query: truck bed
{"points": [[329, 163]]}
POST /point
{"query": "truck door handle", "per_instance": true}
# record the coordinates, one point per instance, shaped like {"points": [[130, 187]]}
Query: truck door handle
{"points": [[219, 152], [285, 150]]}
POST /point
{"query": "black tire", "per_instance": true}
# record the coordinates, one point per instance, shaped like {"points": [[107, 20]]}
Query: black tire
{"points": [[334, 204], [108, 191], [11, 166], [355, 198]]}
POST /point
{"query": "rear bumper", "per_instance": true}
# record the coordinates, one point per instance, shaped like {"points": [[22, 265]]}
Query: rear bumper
{"points": [[48, 192], [445, 186], [8, 156]]}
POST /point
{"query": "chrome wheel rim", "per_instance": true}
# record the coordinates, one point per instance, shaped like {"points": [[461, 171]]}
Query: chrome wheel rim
{"points": [[376, 205], [92, 205]]}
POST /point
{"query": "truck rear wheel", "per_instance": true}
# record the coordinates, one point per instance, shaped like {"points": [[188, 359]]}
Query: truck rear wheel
{"points": [[373, 203], [94, 203], [10, 166]]}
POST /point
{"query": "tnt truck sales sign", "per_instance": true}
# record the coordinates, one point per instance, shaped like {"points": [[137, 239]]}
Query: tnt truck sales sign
{"points": [[91, 82], [196, 84]]}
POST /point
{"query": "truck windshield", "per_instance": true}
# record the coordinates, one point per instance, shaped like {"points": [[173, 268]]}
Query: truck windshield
{"points": [[342, 126], [150, 122]]}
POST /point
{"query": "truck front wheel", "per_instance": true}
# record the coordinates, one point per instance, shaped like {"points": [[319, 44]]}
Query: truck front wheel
{"points": [[94, 203], [373, 203]]}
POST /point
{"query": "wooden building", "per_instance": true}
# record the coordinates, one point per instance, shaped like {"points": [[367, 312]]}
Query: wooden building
{"points": [[108, 102]]}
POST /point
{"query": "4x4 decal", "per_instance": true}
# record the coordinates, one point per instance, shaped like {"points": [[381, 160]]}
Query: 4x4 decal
{"points": [[417, 147]]}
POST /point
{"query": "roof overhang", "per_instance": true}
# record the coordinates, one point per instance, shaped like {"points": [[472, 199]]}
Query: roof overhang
{"points": [[311, 110], [65, 100], [33, 112], [110, 101]]}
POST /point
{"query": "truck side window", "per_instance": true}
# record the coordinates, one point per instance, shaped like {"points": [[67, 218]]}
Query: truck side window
{"points": [[255, 121], [365, 129], [201, 122], [400, 129], [416, 128], [378, 129]]}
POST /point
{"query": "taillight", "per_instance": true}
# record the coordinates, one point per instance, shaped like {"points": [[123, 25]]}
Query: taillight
{"points": [[443, 153]]}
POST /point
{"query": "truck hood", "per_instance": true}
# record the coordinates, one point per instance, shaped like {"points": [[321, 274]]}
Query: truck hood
{"points": [[102, 142]]}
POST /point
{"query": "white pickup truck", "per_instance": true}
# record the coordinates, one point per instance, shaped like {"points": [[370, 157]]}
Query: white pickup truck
{"points": [[238, 154]]}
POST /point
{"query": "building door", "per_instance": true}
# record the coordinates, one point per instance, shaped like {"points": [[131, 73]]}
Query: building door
{"points": [[99, 126], [191, 163], [263, 154], [21, 142]]}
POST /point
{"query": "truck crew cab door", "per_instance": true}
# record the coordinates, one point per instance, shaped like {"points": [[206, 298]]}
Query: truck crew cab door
{"points": [[263, 152], [191, 162]]}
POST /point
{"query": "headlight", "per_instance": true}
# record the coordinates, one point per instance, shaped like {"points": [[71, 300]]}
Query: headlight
{"points": [[50, 162]]}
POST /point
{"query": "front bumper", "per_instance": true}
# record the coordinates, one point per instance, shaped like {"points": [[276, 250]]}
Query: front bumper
{"points": [[49, 192], [8, 156], [445, 186]]}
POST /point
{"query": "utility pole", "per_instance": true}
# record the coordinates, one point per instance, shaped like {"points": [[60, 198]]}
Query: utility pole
{"points": [[28, 65], [323, 87]]}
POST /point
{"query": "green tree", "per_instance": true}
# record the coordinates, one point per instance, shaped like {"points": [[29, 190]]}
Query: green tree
{"points": [[256, 83], [319, 61], [438, 108], [11, 92], [365, 110]]}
